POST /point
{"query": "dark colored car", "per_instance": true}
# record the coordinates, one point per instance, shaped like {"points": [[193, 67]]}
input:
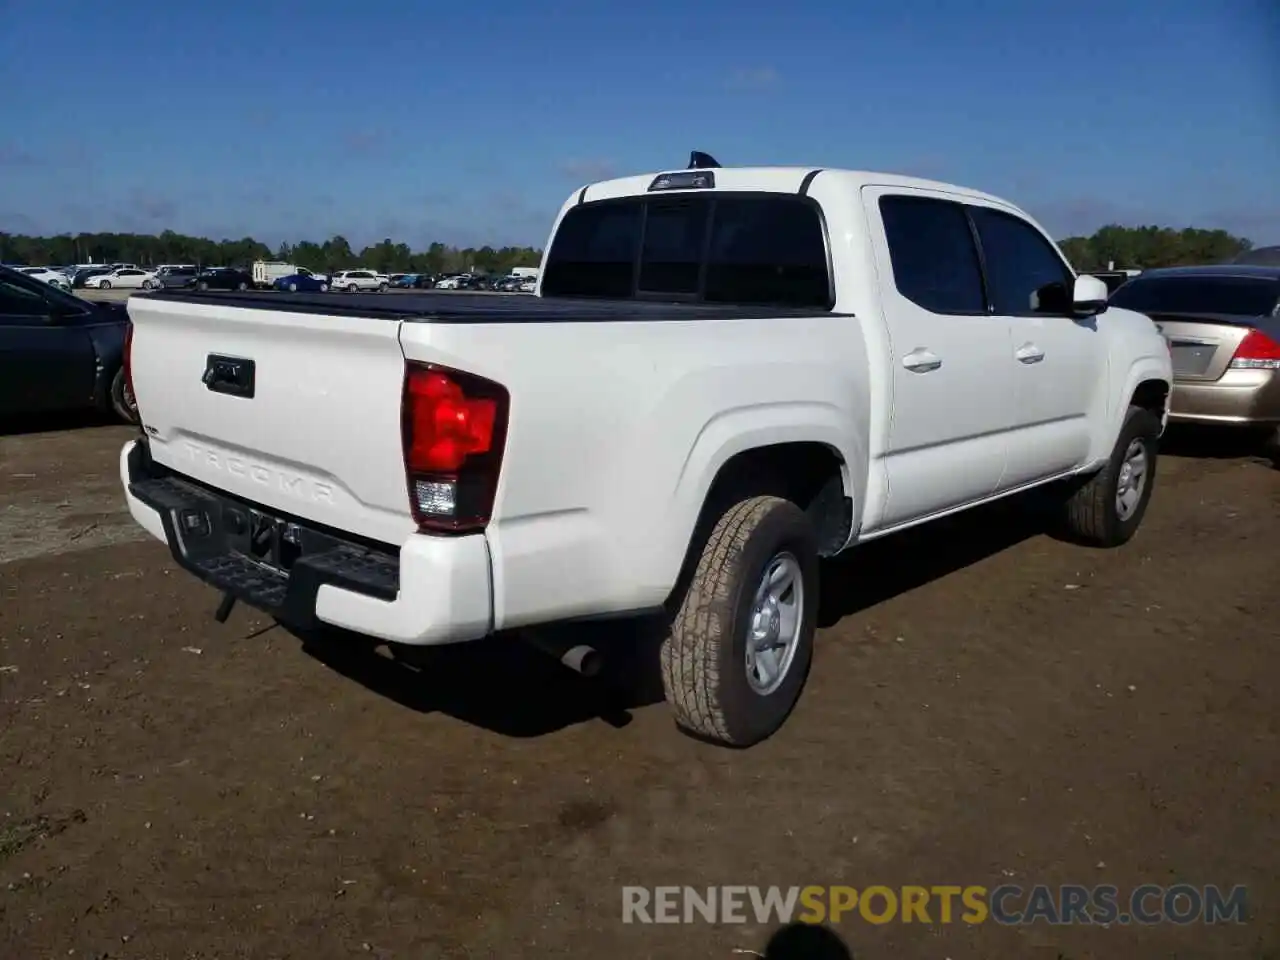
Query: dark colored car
{"points": [[59, 352], [304, 282], [224, 278]]}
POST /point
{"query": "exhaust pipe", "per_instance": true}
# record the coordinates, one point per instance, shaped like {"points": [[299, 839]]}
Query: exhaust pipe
{"points": [[578, 657]]}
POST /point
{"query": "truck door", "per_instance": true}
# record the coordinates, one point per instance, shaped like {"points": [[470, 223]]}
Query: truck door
{"points": [[1059, 363], [952, 386]]}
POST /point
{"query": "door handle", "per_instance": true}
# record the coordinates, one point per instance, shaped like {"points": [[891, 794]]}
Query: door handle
{"points": [[1029, 353], [921, 360]]}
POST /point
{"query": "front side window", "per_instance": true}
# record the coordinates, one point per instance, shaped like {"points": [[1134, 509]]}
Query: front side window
{"points": [[935, 262], [1019, 262], [1232, 296]]}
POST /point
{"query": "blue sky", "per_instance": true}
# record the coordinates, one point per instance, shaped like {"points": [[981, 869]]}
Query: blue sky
{"points": [[471, 123]]}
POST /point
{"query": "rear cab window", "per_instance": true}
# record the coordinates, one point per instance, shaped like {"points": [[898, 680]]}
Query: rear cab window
{"points": [[722, 247], [1232, 296]]}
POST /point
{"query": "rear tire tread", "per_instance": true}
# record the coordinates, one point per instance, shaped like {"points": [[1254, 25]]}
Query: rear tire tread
{"points": [[702, 625]]}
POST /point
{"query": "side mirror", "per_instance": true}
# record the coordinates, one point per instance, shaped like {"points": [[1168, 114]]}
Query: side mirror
{"points": [[1089, 296]]}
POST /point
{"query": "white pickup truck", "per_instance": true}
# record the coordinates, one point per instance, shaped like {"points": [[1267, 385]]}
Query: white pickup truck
{"points": [[727, 374]]}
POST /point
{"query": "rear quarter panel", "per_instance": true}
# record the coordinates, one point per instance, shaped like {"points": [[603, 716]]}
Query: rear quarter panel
{"points": [[617, 430]]}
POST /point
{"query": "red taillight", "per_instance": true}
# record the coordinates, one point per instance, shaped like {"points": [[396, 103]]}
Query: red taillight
{"points": [[1257, 351], [453, 430]]}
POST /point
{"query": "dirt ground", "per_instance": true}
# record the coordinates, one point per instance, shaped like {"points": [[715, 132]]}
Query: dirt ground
{"points": [[987, 705]]}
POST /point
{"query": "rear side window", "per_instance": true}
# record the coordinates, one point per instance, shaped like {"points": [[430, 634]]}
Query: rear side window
{"points": [[1233, 296], [935, 261], [766, 250]]}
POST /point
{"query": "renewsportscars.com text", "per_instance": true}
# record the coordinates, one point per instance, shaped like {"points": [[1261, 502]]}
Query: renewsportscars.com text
{"points": [[1007, 904]]}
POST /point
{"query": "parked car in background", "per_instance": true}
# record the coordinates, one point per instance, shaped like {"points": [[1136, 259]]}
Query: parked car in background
{"points": [[123, 278], [176, 277], [83, 274], [59, 352], [267, 272], [47, 275], [224, 278], [355, 281], [302, 283], [1223, 327], [1115, 279]]}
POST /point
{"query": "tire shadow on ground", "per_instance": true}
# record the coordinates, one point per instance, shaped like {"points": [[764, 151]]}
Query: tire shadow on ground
{"points": [[505, 685], [502, 683], [880, 570], [1224, 443], [13, 426]]}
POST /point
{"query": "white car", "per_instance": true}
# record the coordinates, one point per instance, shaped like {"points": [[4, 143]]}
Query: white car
{"points": [[53, 277], [123, 278], [726, 375], [354, 281]]}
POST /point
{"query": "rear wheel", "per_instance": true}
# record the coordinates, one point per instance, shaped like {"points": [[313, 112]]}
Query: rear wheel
{"points": [[1108, 509], [242, 286], [740, 645], [293, 288], [123, 403]]}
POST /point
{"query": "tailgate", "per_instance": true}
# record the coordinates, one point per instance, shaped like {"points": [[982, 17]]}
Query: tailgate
{"points": [[319, 438]]}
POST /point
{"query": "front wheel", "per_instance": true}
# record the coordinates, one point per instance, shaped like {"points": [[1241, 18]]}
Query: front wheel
{"points": [[738, 653], [123, 403], [147, 285], [104, 285], [382, 288], [324, 288], [353, 289], [242, 286], [202, 285], [1108, 509]]}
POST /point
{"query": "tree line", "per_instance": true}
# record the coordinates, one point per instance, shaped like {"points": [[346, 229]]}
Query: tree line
{"points": [[336, 253], [1125, 247], [1144, 248]]}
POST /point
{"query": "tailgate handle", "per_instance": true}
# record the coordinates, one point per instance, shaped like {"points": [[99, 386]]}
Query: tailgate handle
{"points": [[230, 375]]}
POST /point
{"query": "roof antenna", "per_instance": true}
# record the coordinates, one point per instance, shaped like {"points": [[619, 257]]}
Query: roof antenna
{"points": [[702, 161]]}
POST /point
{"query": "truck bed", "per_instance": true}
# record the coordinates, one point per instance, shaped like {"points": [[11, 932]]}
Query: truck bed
{"points": [[448, 307]]}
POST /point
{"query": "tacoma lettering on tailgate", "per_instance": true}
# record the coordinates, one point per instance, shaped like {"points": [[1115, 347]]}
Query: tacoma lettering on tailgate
{"points": [[293, 484]]}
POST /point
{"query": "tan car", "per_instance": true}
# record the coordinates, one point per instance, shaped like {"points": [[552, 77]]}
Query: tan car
{"points": [[1223, 327]]}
